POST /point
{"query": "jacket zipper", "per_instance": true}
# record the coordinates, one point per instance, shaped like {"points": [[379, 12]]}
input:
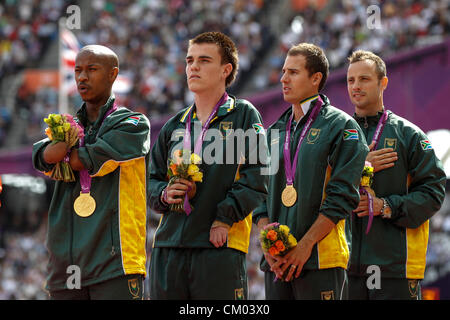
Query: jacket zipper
{"points": [[113, 252]]}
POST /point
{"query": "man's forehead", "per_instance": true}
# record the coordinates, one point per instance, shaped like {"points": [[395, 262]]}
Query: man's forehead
{"points": [[89, 59], [294, 62], [203, 49], [362, 67]]}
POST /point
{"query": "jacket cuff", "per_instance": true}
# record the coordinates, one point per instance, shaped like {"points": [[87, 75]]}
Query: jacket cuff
{"points": [[218, 223]]}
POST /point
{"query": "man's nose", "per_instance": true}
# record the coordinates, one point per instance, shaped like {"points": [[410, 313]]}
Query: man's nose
{"points": [[82, 76]]}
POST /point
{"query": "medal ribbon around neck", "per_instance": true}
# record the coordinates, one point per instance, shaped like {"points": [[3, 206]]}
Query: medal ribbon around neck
{"points": [[84, 205], [199, 142], [290, 169], [376, 139]]}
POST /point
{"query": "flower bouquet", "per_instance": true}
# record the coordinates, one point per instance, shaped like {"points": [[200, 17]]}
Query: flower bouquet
{"points": [[365, 187], [63, 128], [367, 178], [184, 165], [277, 240]]}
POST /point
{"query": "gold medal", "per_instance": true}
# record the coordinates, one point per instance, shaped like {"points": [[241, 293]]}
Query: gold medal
{"points": [[84, 205], [289, 195]]}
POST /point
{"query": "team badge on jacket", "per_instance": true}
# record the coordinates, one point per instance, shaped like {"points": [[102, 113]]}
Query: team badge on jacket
{"points": [[390, 143], [133, 286], [313, 135]]}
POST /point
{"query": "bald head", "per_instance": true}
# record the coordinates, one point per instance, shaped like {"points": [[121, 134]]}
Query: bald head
{"points": [[96, 69], [104, 54]]}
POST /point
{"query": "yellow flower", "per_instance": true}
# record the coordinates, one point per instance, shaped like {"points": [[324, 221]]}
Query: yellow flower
{"points": [[292, 242], [195, 159], [284, 229], [57, 118], [197, 177], [66, 126], [192, 169], [365, 181]]}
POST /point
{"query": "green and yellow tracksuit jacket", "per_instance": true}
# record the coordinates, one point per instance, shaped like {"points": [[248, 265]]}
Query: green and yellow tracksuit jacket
{"points": [[414, 189], [330, 162], [111, 242], [232, 184]]}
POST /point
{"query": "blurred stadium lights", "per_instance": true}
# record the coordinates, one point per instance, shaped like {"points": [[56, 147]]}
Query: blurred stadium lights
{"points": [[440, 139], [33, 184], [297, 25]]}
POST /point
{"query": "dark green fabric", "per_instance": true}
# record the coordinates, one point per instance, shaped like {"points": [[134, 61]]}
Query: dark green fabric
{"points": [[326, 284], [129, 287], [205, 274], [390, 289]]}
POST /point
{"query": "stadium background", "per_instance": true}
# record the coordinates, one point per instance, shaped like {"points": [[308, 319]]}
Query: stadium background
{"points": [[150, 38]]}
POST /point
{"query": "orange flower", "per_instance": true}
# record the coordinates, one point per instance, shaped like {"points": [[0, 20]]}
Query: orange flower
{"points": [[173, 167], [48, 132], [280, 246], [273, 251], [272, 235]]}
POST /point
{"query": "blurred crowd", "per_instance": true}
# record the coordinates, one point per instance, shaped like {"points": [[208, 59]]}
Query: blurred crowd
{"points": [[150, 38], [350, 25]]}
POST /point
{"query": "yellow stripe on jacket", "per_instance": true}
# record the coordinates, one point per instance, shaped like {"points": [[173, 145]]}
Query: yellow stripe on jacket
{"points": [[416, 246], [239, 233], [333, 251], [132, 215]]}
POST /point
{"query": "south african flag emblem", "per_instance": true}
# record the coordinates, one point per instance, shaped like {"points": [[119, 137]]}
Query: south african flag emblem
{"points": [[426, 145], [351, 134], [259, 128]]}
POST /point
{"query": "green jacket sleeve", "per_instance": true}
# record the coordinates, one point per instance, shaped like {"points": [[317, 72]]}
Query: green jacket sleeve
{"points": [[346, 161], [261, 210], [426, 190], [158, 171], [38, 156], [117, 141], [250, 190]]}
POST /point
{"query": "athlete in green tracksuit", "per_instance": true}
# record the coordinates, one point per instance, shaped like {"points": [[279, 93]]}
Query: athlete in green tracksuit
{"points": [[201, 255], [106, 249], [388, 261], [329, 166]]}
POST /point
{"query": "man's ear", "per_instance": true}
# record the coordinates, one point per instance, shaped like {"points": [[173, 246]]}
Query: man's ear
{"points": [[384, 82], [316, 78], [227, 70], [114, 73]]}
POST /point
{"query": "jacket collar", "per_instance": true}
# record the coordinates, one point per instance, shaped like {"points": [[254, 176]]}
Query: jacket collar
{"points": [[224, 109], [82, 113], [369, 120], [281, 122]]}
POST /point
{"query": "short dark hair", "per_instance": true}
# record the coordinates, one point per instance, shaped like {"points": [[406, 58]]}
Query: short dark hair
{"points": [[361, 55], [227, 50], [316, 60]]}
